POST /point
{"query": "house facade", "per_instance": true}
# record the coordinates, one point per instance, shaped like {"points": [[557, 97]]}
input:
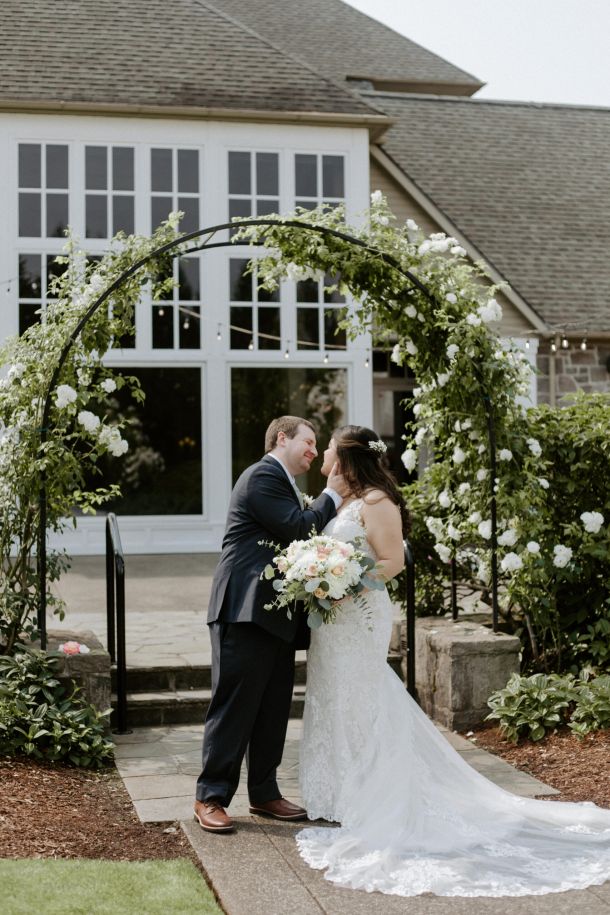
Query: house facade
{"points": [[110, 118]]}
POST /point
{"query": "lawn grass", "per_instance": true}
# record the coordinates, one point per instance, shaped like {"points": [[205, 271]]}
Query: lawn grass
{"points": [[67, 887]]}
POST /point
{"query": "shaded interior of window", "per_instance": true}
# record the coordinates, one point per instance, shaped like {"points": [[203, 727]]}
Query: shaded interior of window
{"points": [[161, 474]]}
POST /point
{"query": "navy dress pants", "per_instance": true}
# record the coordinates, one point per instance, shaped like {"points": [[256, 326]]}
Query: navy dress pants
{"points": [[252, 680]]}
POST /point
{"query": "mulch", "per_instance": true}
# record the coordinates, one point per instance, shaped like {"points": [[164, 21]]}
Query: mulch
{"points": [[53, 811], [579, 768]]}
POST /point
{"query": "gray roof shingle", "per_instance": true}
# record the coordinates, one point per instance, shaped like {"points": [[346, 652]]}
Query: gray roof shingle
{"points": [[341, 42], [168, 53], [528, 184]]}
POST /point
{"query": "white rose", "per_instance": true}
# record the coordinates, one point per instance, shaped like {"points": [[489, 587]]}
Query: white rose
{"points": [[482, 474], [451, 298], [544, 483], [473, 319], [562, 556], [420, 435], [444, 499], [484, 529], [424, 247], [435, 526], [416, 409], [411, 311], [396, 354], [534, 446], [508, 538], [474, 517], [505, 454], [458, 250], [459, 456], [376, 197], [443, 551], [412, 225], [466, 423], [443, 378], [411, 347], [89, 420], [409, 459], [64, 395], [592, 521], [118, 447], [490, 312], [108, 385], [463, 488], [453, 532], [452, 351], [511, 563], [420, 317], [533, 547], [83, 649]]}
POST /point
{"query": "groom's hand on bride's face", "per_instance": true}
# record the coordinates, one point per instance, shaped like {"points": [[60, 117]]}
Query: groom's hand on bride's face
{"points": [[337, 482]]}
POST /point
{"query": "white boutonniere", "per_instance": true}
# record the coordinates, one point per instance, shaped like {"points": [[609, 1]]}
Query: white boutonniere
{"points": [[307, 499]]}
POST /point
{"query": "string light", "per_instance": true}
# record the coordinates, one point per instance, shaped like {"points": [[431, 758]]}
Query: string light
{"points": [[186, 324], [218, 333], [251, 345], [161, 312], [325, 360], [564, 342], [527, 344], [553, 346], [367, 361], [287, 350], [583, 344]]}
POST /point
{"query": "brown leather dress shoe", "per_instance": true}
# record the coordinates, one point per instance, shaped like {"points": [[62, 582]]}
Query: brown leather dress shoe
{"points": [[211, 816], [280, 809]]}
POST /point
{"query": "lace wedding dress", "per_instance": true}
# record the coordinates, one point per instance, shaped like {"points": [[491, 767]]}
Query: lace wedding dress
{"points": [[415, 818]]}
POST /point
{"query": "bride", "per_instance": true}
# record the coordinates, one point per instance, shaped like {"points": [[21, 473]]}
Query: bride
{"points": [[415, 818]]}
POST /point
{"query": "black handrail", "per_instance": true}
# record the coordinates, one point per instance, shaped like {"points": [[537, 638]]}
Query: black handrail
{"points": [[410, 633], [115, 617]]}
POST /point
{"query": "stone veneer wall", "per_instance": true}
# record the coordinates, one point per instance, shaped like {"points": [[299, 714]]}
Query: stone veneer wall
{"points": [[575, 369]]}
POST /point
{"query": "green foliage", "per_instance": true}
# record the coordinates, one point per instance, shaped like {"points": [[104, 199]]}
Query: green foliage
{"points": [[42, 717], [532, 706], [79, 428]]}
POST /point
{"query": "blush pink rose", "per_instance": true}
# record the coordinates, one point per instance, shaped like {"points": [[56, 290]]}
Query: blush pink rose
{"points": [[70, 648]]}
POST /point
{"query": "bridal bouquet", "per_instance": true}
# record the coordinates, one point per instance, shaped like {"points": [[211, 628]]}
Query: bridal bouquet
{"points": [[320, 572]]}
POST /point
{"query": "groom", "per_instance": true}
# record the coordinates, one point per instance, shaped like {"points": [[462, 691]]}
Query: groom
{"points": [[253, 648]]}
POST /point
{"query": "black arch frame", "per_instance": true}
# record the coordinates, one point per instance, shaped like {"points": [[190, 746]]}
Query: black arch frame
{"points": [[207, 245]]}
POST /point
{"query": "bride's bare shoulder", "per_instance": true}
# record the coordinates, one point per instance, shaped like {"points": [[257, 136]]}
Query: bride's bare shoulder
{"points": [[375, 496]]}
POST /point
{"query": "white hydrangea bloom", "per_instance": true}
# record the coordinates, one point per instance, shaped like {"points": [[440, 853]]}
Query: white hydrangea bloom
{"points": [[505, 454], [412, 225], [592, 521], [442, 378], [435, 526], [473, 319], [458, 251], [459, 456], [482, 474], [443, 551], [410, 347], [484, 529], [444, 499], [451, 298], [508, 538], [376, 197], [420, 435], [533, 547], [534, 446], [511, 563], [409, 459], [562, 555], [452, 351], [89, 420], [453, 532], [411, 311], [474, 517], [64, 395], [416, 409], [463, 488], [108, 385]]}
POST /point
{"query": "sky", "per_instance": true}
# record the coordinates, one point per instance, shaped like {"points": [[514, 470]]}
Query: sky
{"points": [[531, 50]]}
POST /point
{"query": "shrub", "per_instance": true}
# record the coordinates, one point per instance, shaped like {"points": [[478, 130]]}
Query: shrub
{"points": [[532, 706], [45, 718]]}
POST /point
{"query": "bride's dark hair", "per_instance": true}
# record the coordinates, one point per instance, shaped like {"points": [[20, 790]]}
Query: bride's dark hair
{"points": [[365, 468]]}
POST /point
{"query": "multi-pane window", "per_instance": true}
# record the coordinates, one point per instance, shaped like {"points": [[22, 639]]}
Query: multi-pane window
{"points": [[318, 179], [318, 315], [176, 321], [174, 185], [43, 190], [36, 272], [109, 190], [255, 313], [253, 183]]}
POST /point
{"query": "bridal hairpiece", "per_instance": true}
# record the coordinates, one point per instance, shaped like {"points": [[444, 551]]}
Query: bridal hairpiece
{"points": [[378, 446]]}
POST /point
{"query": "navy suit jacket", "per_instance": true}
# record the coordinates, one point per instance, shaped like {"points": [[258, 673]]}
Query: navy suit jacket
{"points": [[264, 506]]}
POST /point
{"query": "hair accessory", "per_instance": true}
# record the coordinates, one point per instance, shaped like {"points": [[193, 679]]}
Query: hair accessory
{"points": [[378, 446]]}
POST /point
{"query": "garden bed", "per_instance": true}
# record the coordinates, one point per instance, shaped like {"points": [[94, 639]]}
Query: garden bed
{"points": [[53, 811], [577, 767]]}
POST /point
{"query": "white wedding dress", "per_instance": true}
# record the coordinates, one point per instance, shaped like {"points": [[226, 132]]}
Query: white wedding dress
{"points": [[415, 818]]}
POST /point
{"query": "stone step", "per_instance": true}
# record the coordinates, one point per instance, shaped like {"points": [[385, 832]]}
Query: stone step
{"points": [[177, 679], [152, 709]]}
